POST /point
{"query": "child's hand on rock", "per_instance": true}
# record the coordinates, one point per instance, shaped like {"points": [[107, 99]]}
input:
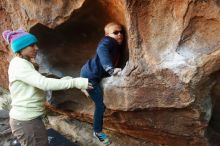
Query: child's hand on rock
{"points": [[117, 71]]}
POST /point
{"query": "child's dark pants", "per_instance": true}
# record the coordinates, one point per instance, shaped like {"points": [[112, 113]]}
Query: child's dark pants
{"points": [[97, 96]]}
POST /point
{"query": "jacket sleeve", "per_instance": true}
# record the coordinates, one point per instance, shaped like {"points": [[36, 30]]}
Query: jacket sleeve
{"points": [[104, 55], [27, 74]]}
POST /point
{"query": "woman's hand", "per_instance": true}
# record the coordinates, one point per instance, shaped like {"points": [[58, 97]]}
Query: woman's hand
{"points": [[90, 87], [86, 91]]}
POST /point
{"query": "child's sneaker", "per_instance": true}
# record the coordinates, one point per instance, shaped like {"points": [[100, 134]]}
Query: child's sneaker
{"points": [[102, 137]]}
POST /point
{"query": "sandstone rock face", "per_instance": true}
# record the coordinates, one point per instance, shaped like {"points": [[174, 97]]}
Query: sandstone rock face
{"points": [[170, 80], [82, 132], [4, 52]]}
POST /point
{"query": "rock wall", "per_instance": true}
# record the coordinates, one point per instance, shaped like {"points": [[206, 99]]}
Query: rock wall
{"points": [[169, 85]]}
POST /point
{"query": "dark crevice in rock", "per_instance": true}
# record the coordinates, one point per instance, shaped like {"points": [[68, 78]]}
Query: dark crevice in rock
{"points": [[187, 11], [214, 124], [215, 120], [188, 31]]}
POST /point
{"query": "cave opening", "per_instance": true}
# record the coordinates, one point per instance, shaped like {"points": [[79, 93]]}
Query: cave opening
{"points": [[64, 49]]}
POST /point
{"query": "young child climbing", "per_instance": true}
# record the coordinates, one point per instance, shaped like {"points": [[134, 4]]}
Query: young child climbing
{"points": [[27, 87], [104, 63]]}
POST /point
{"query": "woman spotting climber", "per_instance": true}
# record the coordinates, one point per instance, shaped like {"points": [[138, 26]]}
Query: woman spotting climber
{"points": [[27, 87]]}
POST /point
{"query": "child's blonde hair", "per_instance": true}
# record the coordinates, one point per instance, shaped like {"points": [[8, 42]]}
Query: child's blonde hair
{"points": [[109, 25]]}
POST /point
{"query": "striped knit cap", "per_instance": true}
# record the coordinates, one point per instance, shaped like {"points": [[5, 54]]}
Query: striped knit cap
{"points": [[19, 39]]}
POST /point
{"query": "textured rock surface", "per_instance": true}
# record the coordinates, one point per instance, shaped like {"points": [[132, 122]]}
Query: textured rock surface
{"points": [[170, 83], [4, 52], [82, 132], [5, 130]]}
